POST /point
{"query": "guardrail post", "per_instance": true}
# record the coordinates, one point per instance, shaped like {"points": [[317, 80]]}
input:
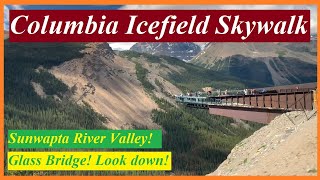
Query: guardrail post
{"points": [[278, 101], [295, 100], [287, 101], [304, 100], [314, 99], [237, 100]]}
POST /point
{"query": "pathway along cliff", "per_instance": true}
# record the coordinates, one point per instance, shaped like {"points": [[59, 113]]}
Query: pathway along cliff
{"points": [[287, 146]]}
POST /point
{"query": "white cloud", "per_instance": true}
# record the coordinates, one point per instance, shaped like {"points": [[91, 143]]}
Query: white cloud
{"points": [[6, 18], [6, 14], [16, 7], [121, 45]]}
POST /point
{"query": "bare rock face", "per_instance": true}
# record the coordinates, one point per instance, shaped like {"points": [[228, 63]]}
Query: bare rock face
{"points": [[183, 51], [108, 83], [38, 89], [285, 147], [99, 49]]}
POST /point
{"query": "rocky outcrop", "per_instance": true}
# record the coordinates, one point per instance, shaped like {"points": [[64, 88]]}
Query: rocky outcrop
{"points": [[109, 85], [287, 146]]}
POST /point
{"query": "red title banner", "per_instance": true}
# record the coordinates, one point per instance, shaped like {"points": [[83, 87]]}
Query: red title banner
{"points": [[159, 25]]}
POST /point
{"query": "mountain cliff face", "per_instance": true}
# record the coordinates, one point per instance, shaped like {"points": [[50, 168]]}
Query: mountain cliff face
{"points": [[269, 63], [114, 90], [88, 86], [183, 51]]}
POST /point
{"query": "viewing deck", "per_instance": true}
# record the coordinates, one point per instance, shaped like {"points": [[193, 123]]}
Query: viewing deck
{"points": [[261, 106]]}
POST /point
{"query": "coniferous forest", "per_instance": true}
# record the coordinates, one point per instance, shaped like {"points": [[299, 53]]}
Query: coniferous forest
{"points": [[199, 142]]}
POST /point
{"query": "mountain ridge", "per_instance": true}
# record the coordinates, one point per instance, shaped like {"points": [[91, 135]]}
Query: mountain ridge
{"points": [[118, 94], [184, 51], [281, 61]]}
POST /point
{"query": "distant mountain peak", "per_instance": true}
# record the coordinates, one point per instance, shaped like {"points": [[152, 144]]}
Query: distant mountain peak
{"points": [[184, 51], [271, 63]]}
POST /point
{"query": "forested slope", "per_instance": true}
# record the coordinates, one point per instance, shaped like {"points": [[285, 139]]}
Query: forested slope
{"points": [[24, 109], [199, 141]]}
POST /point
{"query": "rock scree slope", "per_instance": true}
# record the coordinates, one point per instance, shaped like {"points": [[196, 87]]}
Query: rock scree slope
{"points": [[280, 148], [113, 88]]}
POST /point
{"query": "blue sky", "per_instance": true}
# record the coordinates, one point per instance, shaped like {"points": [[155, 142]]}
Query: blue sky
{"points": [[123, 46]]}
